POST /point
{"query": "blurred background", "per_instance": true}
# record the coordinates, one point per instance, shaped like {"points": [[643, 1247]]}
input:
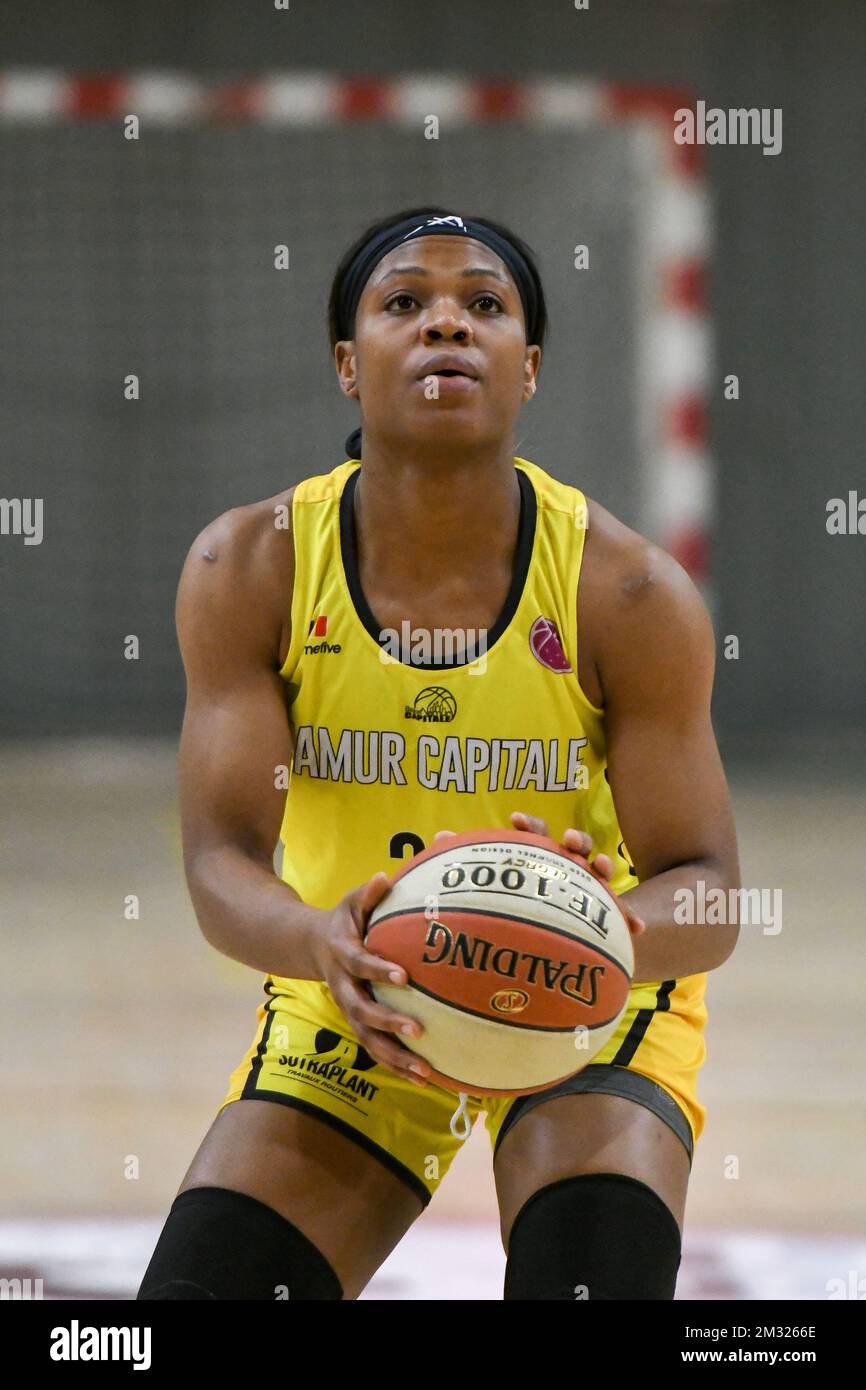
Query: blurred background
{"points": [[154, 257]]}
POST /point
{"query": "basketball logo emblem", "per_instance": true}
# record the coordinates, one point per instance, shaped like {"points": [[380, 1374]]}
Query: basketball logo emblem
{"points": [[434, 703], [546, 647], [509, 1001]]}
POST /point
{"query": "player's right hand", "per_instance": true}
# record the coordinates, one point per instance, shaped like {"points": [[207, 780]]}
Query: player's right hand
{"points": [[346, 965]]}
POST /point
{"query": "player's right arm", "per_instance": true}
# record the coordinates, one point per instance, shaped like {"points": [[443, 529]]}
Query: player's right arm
{"points": [[236, 736]]}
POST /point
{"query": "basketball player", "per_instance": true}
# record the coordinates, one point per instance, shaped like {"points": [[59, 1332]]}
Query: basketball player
{"points": [[585, 716]]}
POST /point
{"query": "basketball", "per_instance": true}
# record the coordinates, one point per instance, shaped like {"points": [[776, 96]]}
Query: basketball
{"points": [[519, 960]]}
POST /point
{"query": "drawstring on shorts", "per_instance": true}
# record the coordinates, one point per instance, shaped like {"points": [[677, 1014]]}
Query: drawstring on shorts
{"points": [[461, 1110]]}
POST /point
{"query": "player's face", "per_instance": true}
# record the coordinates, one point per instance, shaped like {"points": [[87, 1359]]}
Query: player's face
{"points": [[438, 296]]}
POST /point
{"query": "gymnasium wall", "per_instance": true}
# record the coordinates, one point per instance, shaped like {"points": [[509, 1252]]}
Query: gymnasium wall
{"points": [[787, 296]]}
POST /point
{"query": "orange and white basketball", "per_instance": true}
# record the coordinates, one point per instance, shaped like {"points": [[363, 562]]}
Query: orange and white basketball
{"points": [[519, 960]]}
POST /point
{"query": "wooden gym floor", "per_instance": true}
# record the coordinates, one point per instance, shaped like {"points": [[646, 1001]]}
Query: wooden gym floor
{"points": [[118, 1038]]}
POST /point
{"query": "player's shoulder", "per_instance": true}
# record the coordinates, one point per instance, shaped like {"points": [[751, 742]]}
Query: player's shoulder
{"points": [[239, 570], [250, 536], [643, 618], [627, 571], [235, 589]]}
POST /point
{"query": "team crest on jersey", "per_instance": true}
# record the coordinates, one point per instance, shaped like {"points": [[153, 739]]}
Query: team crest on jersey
{"points": [[546, 647], [434, 705]]}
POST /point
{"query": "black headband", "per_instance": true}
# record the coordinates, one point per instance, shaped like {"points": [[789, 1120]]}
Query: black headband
{"points": [[368, 257]]}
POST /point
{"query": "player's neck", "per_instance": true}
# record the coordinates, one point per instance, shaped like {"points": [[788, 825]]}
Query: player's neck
{"points": [[418, 519]]}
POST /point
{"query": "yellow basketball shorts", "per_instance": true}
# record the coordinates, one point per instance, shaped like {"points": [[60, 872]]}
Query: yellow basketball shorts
{"points": [[304, 1054]]}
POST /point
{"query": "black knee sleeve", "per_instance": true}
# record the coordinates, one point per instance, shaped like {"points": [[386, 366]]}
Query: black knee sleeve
{"points": [[217, 1243], [598, 1235]]}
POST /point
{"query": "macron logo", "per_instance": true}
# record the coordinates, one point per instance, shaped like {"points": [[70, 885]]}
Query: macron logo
{"points": [[318, 628]]}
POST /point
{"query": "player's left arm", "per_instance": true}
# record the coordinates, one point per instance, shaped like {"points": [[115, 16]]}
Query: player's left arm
{"points": [[656, 663]]}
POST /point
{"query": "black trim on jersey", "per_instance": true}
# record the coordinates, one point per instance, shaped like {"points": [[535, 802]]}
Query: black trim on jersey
{"points": [[642, 1019], [523, 555]]}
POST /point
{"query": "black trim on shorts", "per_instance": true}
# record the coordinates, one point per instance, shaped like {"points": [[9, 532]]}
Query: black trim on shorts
{"points": [[368, 1145], [526, 528], [249, 1092], [642, 1019], [607, 1078], [249, 1086]]}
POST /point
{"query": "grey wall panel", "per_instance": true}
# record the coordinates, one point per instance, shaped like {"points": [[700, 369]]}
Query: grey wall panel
{"points": [[787, 295]]}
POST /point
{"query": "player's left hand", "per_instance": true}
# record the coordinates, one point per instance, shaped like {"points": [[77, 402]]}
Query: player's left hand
{"points": [[578, 841]]}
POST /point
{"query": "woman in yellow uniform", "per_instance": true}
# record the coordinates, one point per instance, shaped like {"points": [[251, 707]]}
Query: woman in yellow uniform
{"points": [[433, 636]]}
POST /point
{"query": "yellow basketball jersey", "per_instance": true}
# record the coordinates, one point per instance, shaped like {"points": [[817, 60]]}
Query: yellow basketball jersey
{"points": [[388, 752]]}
